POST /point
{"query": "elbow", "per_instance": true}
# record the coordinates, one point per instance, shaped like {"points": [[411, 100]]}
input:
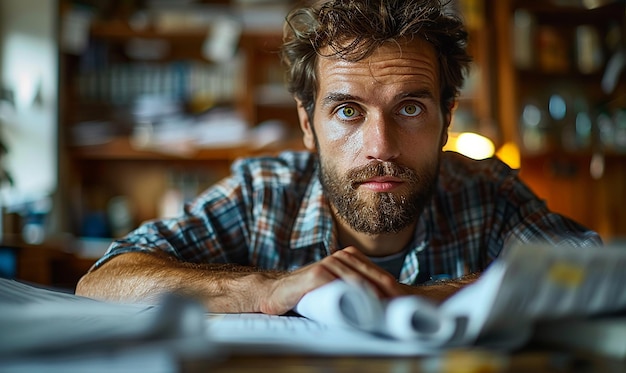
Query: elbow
{"points": [[83, 287]]}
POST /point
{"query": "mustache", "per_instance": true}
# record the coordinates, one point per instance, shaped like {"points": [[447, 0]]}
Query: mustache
{"points": [[378, 169]]}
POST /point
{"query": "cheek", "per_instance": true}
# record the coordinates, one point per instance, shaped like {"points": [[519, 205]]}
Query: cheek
{"points": [[428, 137], [351, 143], [420, 147], [340, 139]]}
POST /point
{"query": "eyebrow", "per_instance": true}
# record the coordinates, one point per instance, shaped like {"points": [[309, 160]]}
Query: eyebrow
{"points": [[335, 97], [422, 93]]}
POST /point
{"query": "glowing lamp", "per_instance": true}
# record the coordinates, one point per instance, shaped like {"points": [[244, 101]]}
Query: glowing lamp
{"points": [[470, 144]]}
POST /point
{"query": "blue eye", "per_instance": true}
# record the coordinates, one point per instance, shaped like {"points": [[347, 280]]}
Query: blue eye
{"points": [[411, 110], [348, 113]]}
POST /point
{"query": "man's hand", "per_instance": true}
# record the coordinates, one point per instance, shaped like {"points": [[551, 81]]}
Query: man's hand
{"points": [[348, 264], [351, 265]]}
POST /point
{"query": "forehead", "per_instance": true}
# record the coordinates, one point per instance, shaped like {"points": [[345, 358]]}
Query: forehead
{"points": [[408, 63]]}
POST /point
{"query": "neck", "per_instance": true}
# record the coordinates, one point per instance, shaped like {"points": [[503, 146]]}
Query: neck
{"points": [[375, 245]]}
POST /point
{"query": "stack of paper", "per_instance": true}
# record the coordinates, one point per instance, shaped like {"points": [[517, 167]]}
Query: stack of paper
{"points": [[45, 330]]}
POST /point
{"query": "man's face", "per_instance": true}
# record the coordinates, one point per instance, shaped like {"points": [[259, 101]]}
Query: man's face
{"points": [[378, 129]]}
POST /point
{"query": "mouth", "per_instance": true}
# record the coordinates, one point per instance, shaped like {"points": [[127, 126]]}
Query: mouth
{"points": [[380, 184]]}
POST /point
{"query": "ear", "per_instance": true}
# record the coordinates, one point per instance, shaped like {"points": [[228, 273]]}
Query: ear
{"points": [[446, 127], [308, 136], [447, 119]]}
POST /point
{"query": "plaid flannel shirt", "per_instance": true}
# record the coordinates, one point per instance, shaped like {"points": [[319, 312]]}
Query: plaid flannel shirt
{"points": [[271, 213]]}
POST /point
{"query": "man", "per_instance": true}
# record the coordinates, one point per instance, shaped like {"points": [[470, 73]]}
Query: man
{"points": [[376, 200]]}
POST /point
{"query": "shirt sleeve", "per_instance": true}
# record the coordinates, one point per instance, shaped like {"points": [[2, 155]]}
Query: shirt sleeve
{"points": [[525, 219]]}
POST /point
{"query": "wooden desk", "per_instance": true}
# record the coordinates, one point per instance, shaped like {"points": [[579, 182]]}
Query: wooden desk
{"points": [[462, 361]]}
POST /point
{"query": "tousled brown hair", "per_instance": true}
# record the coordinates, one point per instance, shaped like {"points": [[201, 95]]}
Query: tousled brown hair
{"points": [[354, 29]]}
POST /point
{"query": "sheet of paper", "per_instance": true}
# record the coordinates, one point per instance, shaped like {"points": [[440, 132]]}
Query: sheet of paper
{"points": [[343, 304], [270, 334], [156, 360], [350, 305], [41, 327], [535, 283], [529, 284], [415, 319]]}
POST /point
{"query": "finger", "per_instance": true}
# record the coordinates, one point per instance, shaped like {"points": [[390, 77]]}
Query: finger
{"points": [[341, 269], [361, 264], [287, 290], [344, 268]]}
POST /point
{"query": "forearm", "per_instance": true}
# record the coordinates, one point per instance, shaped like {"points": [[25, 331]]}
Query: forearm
{"points": [[137, 277]]}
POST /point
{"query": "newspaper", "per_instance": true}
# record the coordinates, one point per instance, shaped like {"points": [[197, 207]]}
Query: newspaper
{"points": [[528, 285], [542, 283], [349, 305]]}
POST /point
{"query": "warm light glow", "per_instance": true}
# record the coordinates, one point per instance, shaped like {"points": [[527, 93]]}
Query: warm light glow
{"points": [[509, 154], [470, 144]]}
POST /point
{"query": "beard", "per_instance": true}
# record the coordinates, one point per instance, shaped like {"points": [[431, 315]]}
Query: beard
{"points": [[382, 212]]}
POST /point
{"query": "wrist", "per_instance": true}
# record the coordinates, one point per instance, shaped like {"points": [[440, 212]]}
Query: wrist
{"points": [[259, 289]]}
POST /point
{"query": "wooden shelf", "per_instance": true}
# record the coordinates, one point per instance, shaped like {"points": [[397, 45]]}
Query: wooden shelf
{"points": [[578, 154], [118, 29], [536, 74], [50, 263], [121, 149], [567, 14], [89, 91], [572, 182]]}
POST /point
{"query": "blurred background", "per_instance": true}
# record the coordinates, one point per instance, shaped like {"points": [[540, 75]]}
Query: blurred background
{"points": [[116, 112]]}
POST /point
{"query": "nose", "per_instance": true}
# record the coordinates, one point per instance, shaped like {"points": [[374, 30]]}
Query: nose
{"points": [[380, 139]]}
